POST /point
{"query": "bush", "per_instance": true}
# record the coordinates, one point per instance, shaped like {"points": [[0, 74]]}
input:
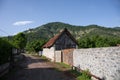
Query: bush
{"points": [[5, 51], [97, 41], [35, 46], [84, 76]]}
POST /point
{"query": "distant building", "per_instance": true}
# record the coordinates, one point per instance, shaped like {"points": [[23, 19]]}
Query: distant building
{"points": [[54, 47]]}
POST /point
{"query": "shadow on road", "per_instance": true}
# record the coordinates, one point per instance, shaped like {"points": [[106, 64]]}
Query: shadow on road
{"points": [[33, 68]]}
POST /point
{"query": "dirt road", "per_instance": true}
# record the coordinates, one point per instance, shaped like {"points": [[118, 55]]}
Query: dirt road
{"points": [[34, 68]]}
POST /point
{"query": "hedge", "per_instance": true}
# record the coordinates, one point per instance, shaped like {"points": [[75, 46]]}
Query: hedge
{"points": [[5, 51]]}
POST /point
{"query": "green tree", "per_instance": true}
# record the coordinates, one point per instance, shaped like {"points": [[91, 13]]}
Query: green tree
{"points": [[20, 40], [97, 41], [35, 45], [5, 51]]}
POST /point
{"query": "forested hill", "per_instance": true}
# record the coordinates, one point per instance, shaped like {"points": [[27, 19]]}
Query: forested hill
{"points": [[90, 36], [47, 31]]}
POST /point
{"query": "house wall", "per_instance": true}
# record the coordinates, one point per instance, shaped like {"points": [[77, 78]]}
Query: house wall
{"points": [[102, 62], [65, 42], [58, 56], [49, 52]]}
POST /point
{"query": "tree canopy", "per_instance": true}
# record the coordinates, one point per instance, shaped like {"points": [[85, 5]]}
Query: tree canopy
{"points": [[97, 41], [5, 51], [35, 46], [20, 40]]}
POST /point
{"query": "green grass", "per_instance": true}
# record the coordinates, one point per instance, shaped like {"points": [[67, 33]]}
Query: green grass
{"points": [[43, 57], [63, 65], [78, 75], [81, 76]]}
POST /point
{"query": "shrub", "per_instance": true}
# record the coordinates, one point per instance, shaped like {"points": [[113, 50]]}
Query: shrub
{"points": [[84, 76], [5, 51]]}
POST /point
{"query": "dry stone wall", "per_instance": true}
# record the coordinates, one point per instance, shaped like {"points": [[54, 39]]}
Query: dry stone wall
{"points": [[102, 62]]}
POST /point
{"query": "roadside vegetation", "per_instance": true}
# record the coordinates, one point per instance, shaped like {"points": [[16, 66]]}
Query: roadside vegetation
{"points": [[84, 75], [5, 51], [35, 46], [7, 45], [97, 41]]}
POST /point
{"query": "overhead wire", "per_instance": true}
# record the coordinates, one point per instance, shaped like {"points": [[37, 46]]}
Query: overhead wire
{"points": [[3, 31]]}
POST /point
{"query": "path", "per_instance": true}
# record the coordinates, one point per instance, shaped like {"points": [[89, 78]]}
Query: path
{"points": [[34, 68]]}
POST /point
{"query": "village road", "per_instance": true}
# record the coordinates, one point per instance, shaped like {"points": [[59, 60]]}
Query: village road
{"points": [[34, 68]]}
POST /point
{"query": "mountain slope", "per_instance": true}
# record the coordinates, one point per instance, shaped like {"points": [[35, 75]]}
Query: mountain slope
{"points": [[49, 30]]}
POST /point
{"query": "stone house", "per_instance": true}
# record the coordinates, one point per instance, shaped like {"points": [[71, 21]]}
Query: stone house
{"points": [[60, 44]]}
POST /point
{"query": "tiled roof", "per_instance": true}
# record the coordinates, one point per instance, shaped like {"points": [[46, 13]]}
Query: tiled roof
{"points": [[51, 42]]}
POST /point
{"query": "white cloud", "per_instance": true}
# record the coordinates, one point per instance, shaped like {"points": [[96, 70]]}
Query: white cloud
{"points": [[22, 23]]}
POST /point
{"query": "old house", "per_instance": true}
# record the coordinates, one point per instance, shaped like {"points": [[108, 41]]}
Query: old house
{"points": [[60, 44]]}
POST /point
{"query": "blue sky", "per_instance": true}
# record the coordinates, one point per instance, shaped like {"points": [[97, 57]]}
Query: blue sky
{"points": [[20, 15]]}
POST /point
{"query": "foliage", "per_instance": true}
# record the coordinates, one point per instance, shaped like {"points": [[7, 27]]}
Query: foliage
{"points": [[75, 72], [84, 75], [5, 51], [20, 40], [97, 41], [49, 30], [88, 36], [35, 46]]}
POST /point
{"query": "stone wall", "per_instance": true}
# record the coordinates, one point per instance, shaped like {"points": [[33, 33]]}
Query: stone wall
{"points": [[49, 53], [102, 62]]}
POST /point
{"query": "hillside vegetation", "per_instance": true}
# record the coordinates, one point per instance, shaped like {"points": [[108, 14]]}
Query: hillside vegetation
{"points": [[49, 30], [90, 36]]}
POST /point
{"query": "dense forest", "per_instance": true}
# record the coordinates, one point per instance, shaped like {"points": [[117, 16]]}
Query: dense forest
{"points": [[49, 30], [32, 40], [90, 36]]}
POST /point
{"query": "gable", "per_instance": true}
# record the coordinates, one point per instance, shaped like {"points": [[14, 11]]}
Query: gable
{"points": [[53, 40], [64, 38], [64, 42]]}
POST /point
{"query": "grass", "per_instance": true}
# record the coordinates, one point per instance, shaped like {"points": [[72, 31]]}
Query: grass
{"points": [[61, 66], [75, 73], [78, 75], [81, 75], [42, 57]]}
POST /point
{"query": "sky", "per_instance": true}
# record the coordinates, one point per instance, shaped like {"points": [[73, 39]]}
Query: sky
{"points": [[20, 15]]}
